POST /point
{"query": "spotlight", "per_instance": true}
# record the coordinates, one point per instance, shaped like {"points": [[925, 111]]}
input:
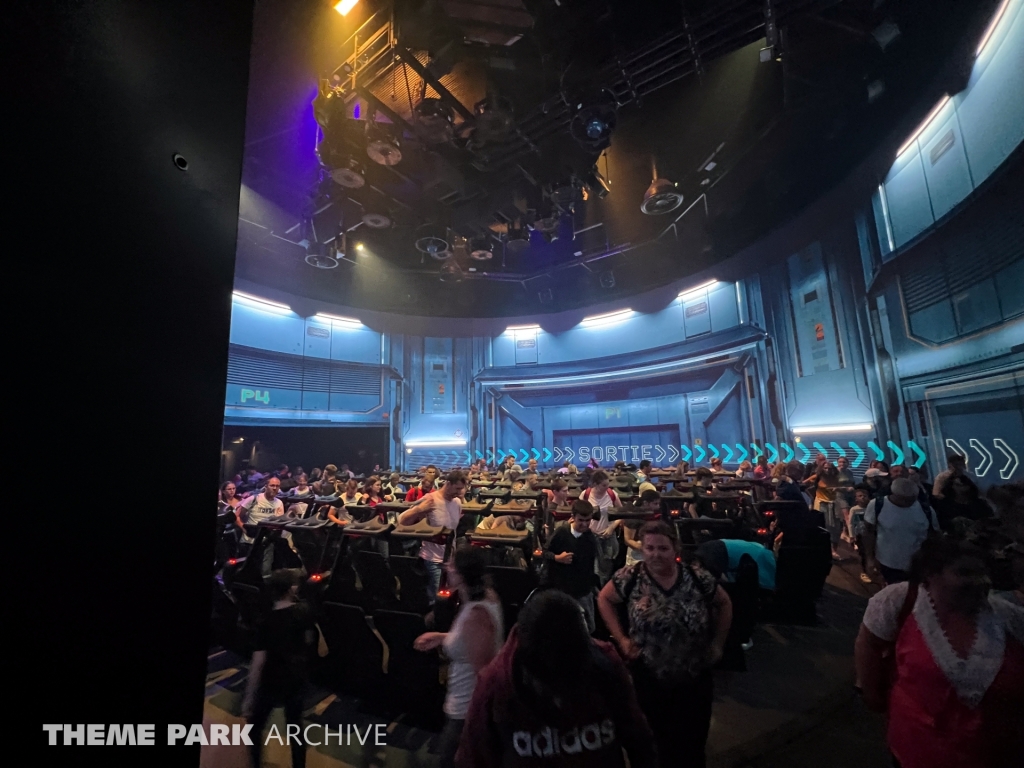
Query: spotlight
{"points": [[766, 54], [451, 272], [319, 256], [381, 148], [545, 221], [518, 237], [886, 33], [345, 6], [480, 248], [597, 185], [594, 120], [607, 279], [376, 220], [359, 246], [344, 169], [433, 121], [661, 197]]}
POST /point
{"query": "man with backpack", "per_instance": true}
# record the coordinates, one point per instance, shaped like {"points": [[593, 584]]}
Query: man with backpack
{"points": [[895, 528]]}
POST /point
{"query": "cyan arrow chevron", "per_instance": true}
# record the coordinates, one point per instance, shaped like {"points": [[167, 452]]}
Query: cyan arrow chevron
{"points": [[479, 455], [773, 453], [547, 455], [742, 451], [879, 453], [839, 448], [806, 452], [536, 454], [756, 451], [986, 458], [469, 457], [685, 452], [789, 450], [490, 456], [673, 454], [1012, 460], [922, 457], [860, 455], [713, 451], [702, 454], [526, 455], [820, 448], [728, 452], [897, 454]]}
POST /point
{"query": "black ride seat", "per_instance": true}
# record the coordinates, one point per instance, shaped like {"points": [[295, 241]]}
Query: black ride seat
{"points": [[355, 652], [413, 677]]}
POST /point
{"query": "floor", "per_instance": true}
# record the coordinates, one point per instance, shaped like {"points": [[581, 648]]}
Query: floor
{"points": [[794, 707]]}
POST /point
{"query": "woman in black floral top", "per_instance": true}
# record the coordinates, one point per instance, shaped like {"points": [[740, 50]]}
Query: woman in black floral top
{"points": [[678, 621]]}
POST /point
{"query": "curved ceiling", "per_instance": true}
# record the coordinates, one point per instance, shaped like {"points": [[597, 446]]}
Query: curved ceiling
{"points": [[746, 143]]}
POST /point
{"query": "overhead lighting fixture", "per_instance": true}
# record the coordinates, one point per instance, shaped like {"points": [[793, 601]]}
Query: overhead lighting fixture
{"points": [[345, 6], [661, 197], [263, 303], [920, 129], [833, 428], [359, 246], [701, 287], [992, 27], [347, 321], [431, 443], [608, 318], [514, 328]]}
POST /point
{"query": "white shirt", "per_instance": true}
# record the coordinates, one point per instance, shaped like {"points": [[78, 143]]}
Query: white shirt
{"points": [[461, 675], [901, 532], [601, 506], [260, 508], [445, 514]]}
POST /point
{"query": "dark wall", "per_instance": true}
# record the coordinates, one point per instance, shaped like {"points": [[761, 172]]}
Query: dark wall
{"points": [[116, 614], [266, 448]]}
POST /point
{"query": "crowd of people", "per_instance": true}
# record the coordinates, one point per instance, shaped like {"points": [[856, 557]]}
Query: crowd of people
{"points": [[935, 647]]}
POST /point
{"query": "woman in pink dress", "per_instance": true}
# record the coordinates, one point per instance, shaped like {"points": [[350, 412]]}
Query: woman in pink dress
{"points": [[947, 660]]}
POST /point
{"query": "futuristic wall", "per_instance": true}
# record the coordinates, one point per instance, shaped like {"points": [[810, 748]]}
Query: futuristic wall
{"points": [[898, 334]]}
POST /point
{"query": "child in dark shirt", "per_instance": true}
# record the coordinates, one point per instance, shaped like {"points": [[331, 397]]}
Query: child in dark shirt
{"points": [[278, 669], [571, 556]]}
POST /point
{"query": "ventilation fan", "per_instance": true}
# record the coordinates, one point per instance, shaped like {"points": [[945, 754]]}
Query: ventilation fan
{"points": [[661, 197], [432, 240], [480, 249], [381, 148]]}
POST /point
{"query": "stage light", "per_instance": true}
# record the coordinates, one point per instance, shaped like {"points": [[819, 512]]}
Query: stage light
{"points": [[695, 289], [319, 256], [608, 318], [661, 197], [351, 322], [345, 6], [597, 185], [992, 27], [920, 129], [359, 246], [607, 279], [260, 302], [833, 428]]}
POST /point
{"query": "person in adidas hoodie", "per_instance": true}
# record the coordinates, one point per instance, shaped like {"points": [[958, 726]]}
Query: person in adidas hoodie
{"points": [[553, 697]]}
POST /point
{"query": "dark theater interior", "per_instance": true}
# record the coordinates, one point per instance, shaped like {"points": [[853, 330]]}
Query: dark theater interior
{"points": [[595, 383]]}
